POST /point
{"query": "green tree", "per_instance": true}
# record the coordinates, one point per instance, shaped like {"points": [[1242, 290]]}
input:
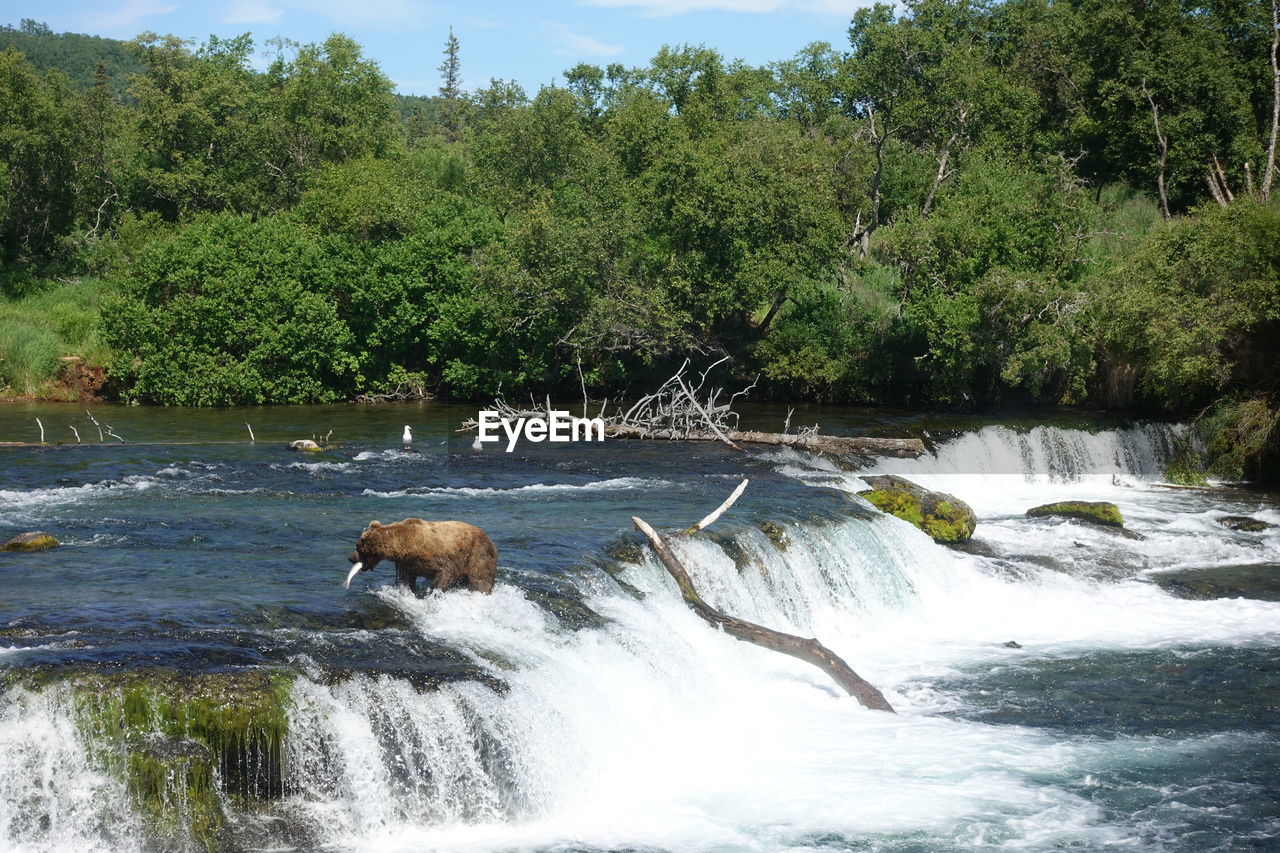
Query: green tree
{"points": [[330, 105], [451, 100], [1195, 308], [38, 161], [226, 311], [203, 133]]}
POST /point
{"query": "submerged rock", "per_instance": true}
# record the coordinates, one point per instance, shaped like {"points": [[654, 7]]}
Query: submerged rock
{"points": [[944, 517], [1245, 523], [36, 540], [1094, 512], [976, 547], [1259, 581], [776, 532]]}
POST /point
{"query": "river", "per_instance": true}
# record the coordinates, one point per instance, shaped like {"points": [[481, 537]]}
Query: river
{"points": [[582, 706]]}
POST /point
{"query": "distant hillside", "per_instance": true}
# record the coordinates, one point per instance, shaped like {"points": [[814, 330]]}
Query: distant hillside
{"points": [[74, 54], [77, 55]]}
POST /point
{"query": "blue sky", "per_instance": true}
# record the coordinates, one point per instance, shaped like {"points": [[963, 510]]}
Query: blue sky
{"points": [[531, 43]]}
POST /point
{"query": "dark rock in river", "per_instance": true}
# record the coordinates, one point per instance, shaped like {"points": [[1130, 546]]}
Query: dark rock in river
{"points": [[1094, 512], [976, 547], [34, 541], [776, 532], [1253, 580], [944, 517], [1244, 523]]}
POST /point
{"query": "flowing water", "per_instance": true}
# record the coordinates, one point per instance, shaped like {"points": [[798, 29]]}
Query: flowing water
{"points": [[582, 706]]}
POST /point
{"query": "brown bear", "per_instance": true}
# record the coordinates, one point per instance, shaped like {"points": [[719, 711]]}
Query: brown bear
{"points": [[446, 553]]}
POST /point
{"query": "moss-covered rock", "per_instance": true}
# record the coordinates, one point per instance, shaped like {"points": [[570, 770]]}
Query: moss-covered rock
{"points": [[625, 550], [1245, 523], [776, 532], [186, 741], [36, 540], [945, 518], [1103, 513]]}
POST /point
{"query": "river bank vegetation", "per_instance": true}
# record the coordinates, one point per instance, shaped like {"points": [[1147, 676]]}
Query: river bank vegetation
{"points": [[964, 204]]}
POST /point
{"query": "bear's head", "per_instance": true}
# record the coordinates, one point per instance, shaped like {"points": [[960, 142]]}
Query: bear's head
{"points": [[364, 557]]}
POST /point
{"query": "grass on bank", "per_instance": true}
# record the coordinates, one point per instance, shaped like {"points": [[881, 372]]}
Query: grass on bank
{"points": [[39, 329]]}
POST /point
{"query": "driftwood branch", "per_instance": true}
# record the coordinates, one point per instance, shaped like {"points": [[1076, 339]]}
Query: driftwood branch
{"points": [[808, 650], [681, 410], [719, 511]]}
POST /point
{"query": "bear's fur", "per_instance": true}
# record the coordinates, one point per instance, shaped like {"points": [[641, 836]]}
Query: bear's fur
{"points": [[446, 553]]}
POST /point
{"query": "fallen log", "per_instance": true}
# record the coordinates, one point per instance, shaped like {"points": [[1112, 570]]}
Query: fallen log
{"points": [[677, 412], [902, 448], [808, 650]]}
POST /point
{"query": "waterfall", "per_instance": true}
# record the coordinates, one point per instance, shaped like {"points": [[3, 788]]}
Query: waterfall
{"points": [[649, 730], [54, 793]]}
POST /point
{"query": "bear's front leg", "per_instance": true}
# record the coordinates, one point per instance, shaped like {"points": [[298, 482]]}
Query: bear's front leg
{"points": [[406, 578]]}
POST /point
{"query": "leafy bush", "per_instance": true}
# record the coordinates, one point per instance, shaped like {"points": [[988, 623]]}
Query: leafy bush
{"points": [[1196, 305], [1241, 437], [989, 283], [226, 310], [833, 342]]}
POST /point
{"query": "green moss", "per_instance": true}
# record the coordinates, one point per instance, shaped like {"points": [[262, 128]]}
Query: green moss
{"points": [[896, 502], [946, 521], [625, 551], [184, 741], [947, 524], [1097, 512], [776, 532]]}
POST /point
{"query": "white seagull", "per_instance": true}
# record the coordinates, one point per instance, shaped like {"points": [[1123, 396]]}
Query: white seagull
{"points": [[407, 438], [477, 444]]}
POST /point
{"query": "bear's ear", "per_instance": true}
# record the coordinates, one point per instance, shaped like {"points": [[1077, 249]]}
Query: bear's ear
{"points": [[373, 524]]}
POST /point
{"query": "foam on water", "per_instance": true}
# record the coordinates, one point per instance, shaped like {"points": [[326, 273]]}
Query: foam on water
{"points": [[20, 502], [654, 731], [615, 484], [53, 795]]}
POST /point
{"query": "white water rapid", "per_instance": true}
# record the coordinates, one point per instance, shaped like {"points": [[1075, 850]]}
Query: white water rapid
{"points": [[653, 732]]}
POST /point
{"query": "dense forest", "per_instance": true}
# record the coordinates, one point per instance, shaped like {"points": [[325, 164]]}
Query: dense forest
{"points": [[964, 204]]}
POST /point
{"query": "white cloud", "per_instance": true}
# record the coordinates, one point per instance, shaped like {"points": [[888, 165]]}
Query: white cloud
{"points": [[125, 18], [252, 12], [576, 44]]}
